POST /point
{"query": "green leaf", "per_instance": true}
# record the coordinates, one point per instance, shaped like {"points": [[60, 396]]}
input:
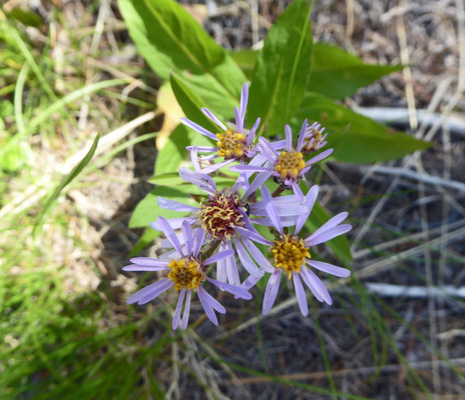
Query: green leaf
{"points": [[15, 157], [27, 18], [339, 245], [173, 152], [169, 38], [338, 74], [367, 141], [148, 209], [191, 104], [66, 181], [147, 237], [282, 69], [245, 59]]}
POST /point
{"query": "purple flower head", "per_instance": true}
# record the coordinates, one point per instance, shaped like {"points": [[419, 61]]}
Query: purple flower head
{"points": [[224, 214], [231, 144], [287, 166], [313, 139], [292, 254], [187, 273]]}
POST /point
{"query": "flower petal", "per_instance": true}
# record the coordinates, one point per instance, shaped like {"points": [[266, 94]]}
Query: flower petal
{"points": [[245, 259], [187, 308], [319, 157], [210, 115], [271, 291], [258, 256], [199, 240], [177, 311], [253, 236], [297, 191], [154, 262], [251, 134], [310, 199], [315, 285], [235, 290], [207, 307], [271, 209], [175, 223], [188, 237], [302, 136], [202, 181], [288, 138], [198, 128], [175, 205], [244, 100], [300, 294], [330, 268], [170, 235], [219, 256], [239, 120], [326, 235], [135, 267], [152, 290]]}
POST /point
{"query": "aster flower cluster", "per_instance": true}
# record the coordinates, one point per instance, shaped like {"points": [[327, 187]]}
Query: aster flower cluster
{"points": [[220, 238]]}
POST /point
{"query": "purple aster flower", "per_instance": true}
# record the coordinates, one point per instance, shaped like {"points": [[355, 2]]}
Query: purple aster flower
{"points": [[220, 213], [313, 138], [287, 166], [231, 144], [291, 254], [187, 273]]}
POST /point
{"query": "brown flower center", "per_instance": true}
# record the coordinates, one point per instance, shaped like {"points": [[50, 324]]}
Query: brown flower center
{"points": [[186, 272]]}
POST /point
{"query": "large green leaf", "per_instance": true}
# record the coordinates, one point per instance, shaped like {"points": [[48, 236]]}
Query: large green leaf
{"points": [[148, 209], [170, 39], [367, 141], [191, 104], [282, 69], [338, 74]]}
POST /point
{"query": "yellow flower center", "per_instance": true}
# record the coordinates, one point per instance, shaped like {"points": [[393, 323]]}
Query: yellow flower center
{"points": [[289, 164], [231, 144], [289, 253], [186, 272], [220, 215], [317, 138]]}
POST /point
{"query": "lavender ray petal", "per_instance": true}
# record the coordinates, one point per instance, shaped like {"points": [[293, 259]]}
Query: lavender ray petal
{"points": [[265, 221], [154, 287], [288, 138], [253, 236], [175, 205], [195, 159], [259, 180], [251, 168], [244, 100], [330, 268], [146, 261], [315, 285], [298, 192], [252, 132], [310, 199], [328, 234], [219, 256], [245, 259], [232, 272], [258, 256], [221, 274], [210, 115], [202, 181], [239, 120], [237, 291], [135, 267], [206, 305], [187, 233], [319, 157], [187, 308], [267, 150], [170, 235], [271, 291], [217, 166], [278, 145], [331, 223], [208, 158], [252, 280], [175, 223], [271, 208], [203, 149], [309, 283], [199, 239], [198, 128], [302, 136], [300, 294], [177, 311]]}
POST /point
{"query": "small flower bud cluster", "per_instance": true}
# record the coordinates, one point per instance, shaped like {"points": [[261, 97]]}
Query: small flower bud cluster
{"points": [[219, 237]]}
